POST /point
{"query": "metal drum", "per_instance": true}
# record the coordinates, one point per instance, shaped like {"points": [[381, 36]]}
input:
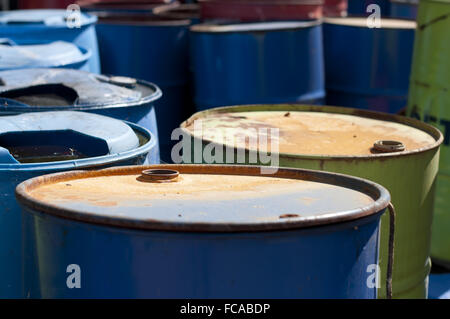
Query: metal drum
{"points": [[57, 54], [335, 8], [38, 143], [260, 10], [400, 153], [405, 9], [429, 100], [123, 6], [154, 49], [368, 68], [35, 90], [31, 26], [198, 231], [273, 62], [190, 11]]}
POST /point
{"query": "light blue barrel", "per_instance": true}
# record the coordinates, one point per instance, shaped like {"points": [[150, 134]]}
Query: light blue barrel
{"points": [[34, 144], [368, 68], [35, 90], [49, 25], [252, 63], [58, 54], [154, 49], [198, 231]]}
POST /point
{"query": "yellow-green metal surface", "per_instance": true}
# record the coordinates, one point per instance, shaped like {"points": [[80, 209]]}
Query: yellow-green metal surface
{"points": [[410, 178], [429, 100]]}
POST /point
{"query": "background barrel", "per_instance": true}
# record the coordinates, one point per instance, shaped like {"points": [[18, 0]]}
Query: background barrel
{"points": [[410, 176], [429, 101], [31, 26], [180, 243], [368, 68], [405, 9], [38, 143], [272, 62]]}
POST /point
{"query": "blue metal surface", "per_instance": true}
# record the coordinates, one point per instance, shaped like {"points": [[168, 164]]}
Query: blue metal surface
{"points": [[156, 50], [439, 287], [367, 68], [57, 54], [80, 91], [156, 247], [31, 26], [359, 7], [405, 9], [11, 174], [273, 62]]}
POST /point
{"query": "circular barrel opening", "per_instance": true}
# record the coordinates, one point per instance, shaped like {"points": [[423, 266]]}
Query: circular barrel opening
{"points": [[388, 146], [158, 175]]}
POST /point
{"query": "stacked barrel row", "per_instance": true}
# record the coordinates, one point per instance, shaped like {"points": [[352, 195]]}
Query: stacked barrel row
{"points": [[148, 221]]}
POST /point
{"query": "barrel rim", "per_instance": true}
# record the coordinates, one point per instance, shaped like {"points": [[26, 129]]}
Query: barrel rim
{"points": [[89, 20], [424, 127], [90, 162], [157, 94], [271, 26], [126, 19], [334, 22], [377, 192]]}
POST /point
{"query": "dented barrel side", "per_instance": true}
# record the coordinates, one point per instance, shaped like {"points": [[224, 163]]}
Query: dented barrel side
{"points": [[429, 101]]}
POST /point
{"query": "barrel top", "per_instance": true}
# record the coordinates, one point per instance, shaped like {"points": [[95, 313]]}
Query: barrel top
{"points": [[254, 27], [41, 87], [54, 54], [306, 132], [386, 23], [114, 136], [204, 198], [41, 17]]}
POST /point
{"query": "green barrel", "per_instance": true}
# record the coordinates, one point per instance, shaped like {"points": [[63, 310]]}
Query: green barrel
{"points": [[340, 140], [429, 100]]}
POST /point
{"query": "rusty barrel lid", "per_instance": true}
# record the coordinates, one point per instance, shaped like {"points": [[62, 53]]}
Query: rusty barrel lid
{"points": [[309, 131], [203, 198]]}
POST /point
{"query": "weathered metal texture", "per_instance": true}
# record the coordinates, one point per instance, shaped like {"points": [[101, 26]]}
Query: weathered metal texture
{"points": [[57, 54], [35, 90], [335, 8], [359, 7], [13, 277], [368, 68], [31, 26], [429, 101], [145, 6], [188, 11], [138, 56], [409, 176], [274, 62], [151, 240], [405, 9], [49, 4], [260, 10]]}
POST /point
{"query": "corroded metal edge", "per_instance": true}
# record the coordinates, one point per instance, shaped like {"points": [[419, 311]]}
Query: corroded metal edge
{"points": [[431, 130], [378, 193]]}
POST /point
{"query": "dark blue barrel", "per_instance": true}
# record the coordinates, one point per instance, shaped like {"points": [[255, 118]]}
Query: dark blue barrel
{"points": [[153, 49], [123, 98], [58, 54], [196, 231], [180, 11], [404, 9], [31, 26], [368, 68], [251, 63], [34, 144], [359, 7]]}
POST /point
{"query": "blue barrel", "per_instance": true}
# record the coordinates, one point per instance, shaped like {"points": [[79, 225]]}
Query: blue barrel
{"points": [[405, 9], [35, 90], [31, 26], [252, 63], [34, 144], [199, 231], [368, 68], [153, 49], [359, 7], [58, 54]]}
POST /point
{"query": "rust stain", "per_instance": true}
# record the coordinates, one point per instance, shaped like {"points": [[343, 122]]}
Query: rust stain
{"points": [[433, 21], [289, 216]]}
